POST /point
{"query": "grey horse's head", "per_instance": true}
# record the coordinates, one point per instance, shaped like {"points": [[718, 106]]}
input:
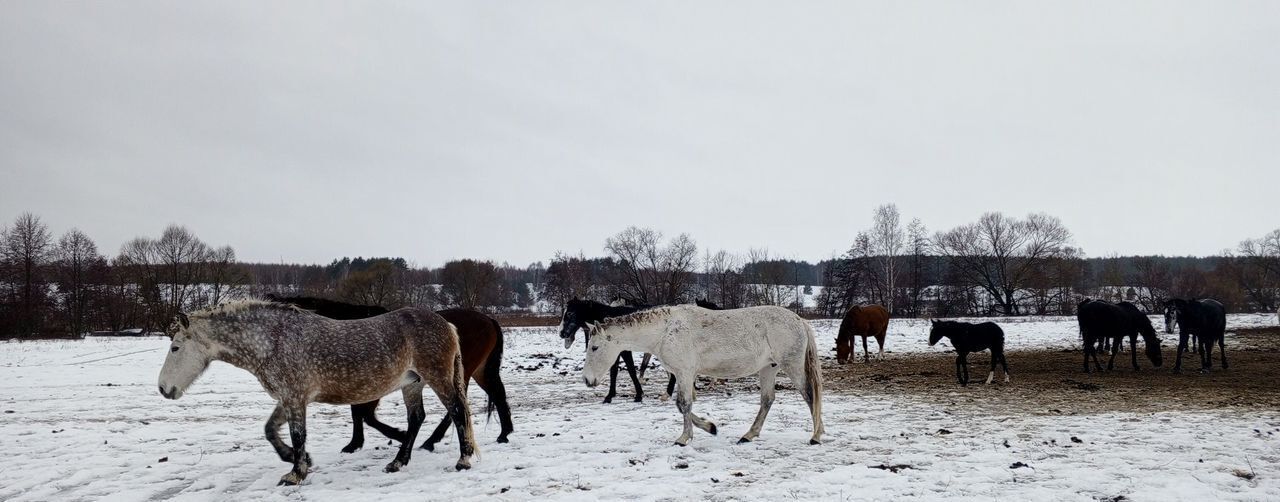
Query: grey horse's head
{"points": [[190, 353]]}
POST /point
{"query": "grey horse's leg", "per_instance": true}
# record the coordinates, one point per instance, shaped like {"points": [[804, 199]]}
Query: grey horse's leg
{"points": [[273, 434], [767, 377], [684, 403], [297, 415], [413, 403]]}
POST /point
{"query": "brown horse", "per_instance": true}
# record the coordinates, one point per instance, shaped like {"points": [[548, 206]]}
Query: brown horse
{"points": [[480, 338], [864, 321]]}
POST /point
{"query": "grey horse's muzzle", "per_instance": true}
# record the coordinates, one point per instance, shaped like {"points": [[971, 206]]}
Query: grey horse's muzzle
{"points": [[170, 393]]}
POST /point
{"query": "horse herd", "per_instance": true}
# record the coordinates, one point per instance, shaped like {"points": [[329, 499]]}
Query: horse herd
{"points": [[304, 350]]}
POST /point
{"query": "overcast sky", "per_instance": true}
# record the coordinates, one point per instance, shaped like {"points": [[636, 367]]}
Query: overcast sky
{"points": [[304, 131]]}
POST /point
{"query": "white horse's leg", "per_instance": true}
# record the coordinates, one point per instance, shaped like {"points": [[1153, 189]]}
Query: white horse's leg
{"points": [[767, 377], [684, 403]]}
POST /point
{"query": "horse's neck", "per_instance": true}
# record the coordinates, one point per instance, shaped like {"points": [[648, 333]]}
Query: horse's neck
{"points": [[242, 348], [642, 338]]}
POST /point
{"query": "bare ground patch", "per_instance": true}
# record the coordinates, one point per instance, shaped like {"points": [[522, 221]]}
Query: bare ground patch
{"points": [[1053, 381]]}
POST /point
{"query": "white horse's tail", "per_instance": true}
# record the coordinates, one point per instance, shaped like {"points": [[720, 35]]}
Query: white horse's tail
{"points": [[813, 381]]}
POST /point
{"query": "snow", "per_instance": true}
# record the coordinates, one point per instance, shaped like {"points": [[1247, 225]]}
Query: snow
{"points": [[82, 420]]}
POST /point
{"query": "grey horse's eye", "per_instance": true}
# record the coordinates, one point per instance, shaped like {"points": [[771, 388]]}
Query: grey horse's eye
{"points": [[174, 349], [595, 348]]}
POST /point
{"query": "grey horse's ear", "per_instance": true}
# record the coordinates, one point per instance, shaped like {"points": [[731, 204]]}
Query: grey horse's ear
{"points": [[591, 327], [183, 320]]}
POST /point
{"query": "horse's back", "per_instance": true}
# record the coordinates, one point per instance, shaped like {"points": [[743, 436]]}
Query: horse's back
{"points": [[733, 343], [864, 320]]}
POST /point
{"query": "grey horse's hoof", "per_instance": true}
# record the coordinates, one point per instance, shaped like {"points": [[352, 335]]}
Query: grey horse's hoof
{"points": [[814, 441], [744, 440], [712, 429], [291, 479]]}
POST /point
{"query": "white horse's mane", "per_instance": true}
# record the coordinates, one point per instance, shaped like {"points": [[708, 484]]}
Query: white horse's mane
{"points": [[635, 318]]}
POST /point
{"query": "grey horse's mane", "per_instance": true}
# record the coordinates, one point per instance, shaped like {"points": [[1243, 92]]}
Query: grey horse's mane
{"points": [[635, 318], [241, 306]]}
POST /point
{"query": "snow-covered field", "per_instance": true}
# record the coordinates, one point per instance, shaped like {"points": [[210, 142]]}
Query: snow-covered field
{"points": [[82, 420]]}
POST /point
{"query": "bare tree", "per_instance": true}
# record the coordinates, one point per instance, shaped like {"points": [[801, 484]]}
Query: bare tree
{"points": [[646, 271], [887, 240], [181, 258], [569, 277], [79, 270], [25, 247], [999, 253], [918, 246], [373, 285], [766, 277], [723, 278], [1256, 269], [471, 284], [225, 276]]}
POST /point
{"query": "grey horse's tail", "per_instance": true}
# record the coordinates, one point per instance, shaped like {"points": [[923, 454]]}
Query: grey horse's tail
{"points": [[813, 380], [462, 411]]}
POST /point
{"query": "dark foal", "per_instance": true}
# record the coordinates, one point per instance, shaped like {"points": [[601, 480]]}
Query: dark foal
{"points": [[967, 337]]}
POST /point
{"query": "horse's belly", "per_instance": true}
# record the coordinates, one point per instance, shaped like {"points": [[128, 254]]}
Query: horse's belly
{"points": [[731, 369], [357, 391]]}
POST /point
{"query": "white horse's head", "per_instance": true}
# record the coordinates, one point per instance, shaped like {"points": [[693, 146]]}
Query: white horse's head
{"points": [[1170, 317], [602, 351], [189, 356]]}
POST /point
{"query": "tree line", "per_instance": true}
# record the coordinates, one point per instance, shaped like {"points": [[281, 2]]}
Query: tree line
{"points": [[997, 265]]}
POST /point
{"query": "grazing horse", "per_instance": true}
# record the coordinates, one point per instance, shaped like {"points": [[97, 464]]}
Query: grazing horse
{"points": [[968, 337], [1171, 321], [301, 357], [694, 341], [865, 321], [707, 304], [577, 313], [480, 339], [1099, 320], [1207, 320]]}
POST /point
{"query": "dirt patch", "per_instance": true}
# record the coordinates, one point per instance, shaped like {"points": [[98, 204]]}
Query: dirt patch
{"points": [[1053, 381]]}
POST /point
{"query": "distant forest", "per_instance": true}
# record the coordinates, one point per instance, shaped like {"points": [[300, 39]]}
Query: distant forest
{"points": [[998, 265]]}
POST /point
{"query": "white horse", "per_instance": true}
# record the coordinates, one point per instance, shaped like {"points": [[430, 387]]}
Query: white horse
{"points": [[694, 341]]}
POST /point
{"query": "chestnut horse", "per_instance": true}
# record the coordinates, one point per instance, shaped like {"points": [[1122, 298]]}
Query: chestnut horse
{"points": [[864, 321], [480, 339]]}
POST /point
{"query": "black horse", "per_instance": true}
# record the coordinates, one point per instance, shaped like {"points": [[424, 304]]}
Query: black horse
{"points": [[1207, 320], [577, 313], [707, 304], [1171, 320], [967, 337], [479, 338], [1102, 320]]}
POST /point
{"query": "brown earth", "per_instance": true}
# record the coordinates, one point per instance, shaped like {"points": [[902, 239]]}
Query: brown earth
{"points": [[1053, 381]]}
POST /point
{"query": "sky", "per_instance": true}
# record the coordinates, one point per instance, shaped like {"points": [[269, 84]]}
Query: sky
{"points": [[305, 131]]}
